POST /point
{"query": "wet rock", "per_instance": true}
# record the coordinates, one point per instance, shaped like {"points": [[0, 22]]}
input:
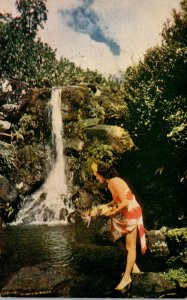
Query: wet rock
{"points": [[63, 214], [39, 281], [48, 214], [74, 217]]}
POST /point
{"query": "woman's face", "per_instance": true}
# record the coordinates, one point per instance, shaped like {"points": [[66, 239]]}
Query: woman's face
{"points": [[99, 177]]}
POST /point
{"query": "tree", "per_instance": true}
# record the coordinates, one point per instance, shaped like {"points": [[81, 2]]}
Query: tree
{"points": [[156, 93], [33, 15], [21, 55]]}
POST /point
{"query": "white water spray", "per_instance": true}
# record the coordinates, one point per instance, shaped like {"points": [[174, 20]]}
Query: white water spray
{"points": [[50, 203]]}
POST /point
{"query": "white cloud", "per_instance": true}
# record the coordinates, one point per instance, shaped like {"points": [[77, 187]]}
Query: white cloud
{"points": [[134, 24]]}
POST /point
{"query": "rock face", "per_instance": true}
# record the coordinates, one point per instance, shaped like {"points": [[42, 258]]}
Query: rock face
{"points": [[25, 138]]}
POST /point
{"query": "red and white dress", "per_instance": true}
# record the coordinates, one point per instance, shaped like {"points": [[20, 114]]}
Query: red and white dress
{"points": [[127, 219]]}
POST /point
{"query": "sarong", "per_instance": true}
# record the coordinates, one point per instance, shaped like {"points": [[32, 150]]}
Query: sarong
{"points": [[127, 219]]}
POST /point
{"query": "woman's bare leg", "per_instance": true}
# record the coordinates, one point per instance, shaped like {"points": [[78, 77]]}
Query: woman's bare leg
{"points": [[135, 268], [131, 258]]}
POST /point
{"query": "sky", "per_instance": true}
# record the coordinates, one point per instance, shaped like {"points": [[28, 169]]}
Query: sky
{"points": [[103, 35]]}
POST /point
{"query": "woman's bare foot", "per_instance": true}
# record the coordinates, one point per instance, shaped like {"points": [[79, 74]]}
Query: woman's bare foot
{"points": [[123, 283]]}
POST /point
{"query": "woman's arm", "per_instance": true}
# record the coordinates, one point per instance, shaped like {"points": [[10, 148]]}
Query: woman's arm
{"points": [[111, 203], [116, 211], [118, 187]]}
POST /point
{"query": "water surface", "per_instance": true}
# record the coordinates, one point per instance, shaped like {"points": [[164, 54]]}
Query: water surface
{"points": [[73, 246]]}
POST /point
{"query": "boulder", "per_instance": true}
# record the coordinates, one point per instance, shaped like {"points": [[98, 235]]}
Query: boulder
{"points": [[157, 242], [4, 125], [114, 136], [38, 281], [86, 123], [73, 146], [151, 285]]}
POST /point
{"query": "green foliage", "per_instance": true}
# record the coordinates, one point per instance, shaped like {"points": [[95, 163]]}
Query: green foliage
{"points": [[155, 92], [155, 89], [178, 237], [24, 58], [98, 152], [33, 15], [178, 275]]}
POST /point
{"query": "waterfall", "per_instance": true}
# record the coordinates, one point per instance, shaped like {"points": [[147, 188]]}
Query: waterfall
{"points": [[50, 203]]}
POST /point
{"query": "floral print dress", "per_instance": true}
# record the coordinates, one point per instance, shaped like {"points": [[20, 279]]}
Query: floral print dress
{"points": [[127, 219]]}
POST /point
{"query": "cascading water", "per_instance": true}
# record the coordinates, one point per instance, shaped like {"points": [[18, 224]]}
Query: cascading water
{"points": [[50, 203]]}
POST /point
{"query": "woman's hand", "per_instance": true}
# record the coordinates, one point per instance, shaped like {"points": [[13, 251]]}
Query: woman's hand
{"points": [[111, 213]]}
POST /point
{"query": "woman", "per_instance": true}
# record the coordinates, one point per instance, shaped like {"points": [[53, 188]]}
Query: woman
{"points": [[126, 218]]}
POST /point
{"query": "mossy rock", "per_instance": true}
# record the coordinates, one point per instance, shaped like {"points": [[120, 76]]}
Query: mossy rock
{"points": [[177, 240], [115, 136]]}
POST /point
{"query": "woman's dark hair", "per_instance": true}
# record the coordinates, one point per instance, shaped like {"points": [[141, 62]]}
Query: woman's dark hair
{"points": [[106, 171]]}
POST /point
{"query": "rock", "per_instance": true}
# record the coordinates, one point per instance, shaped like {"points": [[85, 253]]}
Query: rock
{"points": [[177, 240], [157, 242], [13, 97], [84, 200], [4, 125], [7, 166], [104, 234], [7, 192], [5, 86], [91, 86], [86, 123], [48, 214], [115, 136], [2, 226], [38, 281], [74, 217], [63, 214], [151, 285], [72, 99], [72, 146]]}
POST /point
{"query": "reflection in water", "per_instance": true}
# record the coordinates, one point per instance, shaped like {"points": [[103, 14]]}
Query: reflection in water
{"points": [[63, 247]]}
